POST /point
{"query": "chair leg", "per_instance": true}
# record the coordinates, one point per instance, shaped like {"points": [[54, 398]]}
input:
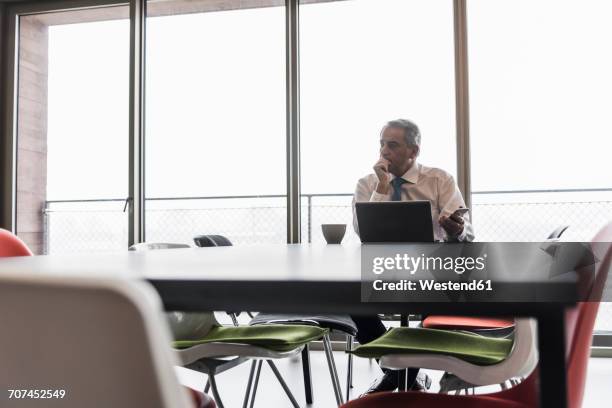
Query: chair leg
{"points": [[234, 319], [332, 369], [213, 386], [207, 386], [249, 384], [307, 375], [283, 384], [349, 372], [256, 383]]}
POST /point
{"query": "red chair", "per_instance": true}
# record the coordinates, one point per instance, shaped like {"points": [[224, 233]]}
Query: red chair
{"points": [[201, 400], [579, 323], [11, 245]]}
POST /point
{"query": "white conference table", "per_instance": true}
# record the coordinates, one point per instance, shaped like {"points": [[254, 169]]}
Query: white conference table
{"points": [[297, 278]]}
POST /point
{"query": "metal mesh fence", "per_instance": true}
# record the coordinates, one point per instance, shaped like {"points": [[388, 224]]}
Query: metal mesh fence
{"points": [[518, 222], [102, 226], [85, 227], [248, 225]]}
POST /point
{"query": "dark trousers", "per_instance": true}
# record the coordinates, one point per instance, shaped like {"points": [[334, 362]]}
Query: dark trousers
{"points": [[370, 328]]}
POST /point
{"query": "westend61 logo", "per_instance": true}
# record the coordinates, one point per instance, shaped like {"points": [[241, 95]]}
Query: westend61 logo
{"points": [[412, 264]]}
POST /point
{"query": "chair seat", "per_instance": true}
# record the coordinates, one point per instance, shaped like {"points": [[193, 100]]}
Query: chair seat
{"points": [[342, 323], [469, 347], [278, 337], [220, 350], [416, 399], [466, 323]]}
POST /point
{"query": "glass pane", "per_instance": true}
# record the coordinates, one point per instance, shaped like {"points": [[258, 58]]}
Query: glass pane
{"points": [[72, 132], [540, 94], [363, 63], [215, 122]]}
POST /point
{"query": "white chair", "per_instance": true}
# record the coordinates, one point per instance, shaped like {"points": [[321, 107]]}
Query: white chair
{"points": [[520, 362], [103, 341]]}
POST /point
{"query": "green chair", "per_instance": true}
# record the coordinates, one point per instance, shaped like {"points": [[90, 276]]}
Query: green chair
{"points": [[474, 358], [204, 345]]}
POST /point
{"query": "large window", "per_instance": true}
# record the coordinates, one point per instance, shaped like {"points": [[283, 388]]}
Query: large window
{"points": [[540, 93], [215, 123], [540, 97], [72, 144], [363, 63]]}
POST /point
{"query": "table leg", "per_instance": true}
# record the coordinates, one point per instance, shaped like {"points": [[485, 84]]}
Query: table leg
{"points": [[551, 345], [403, 374]]}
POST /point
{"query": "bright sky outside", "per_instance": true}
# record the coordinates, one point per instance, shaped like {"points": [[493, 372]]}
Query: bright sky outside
{"points": [[216, 97]]}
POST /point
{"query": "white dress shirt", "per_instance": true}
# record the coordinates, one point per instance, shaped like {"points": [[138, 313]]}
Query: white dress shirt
{"points": [[423, 183]]}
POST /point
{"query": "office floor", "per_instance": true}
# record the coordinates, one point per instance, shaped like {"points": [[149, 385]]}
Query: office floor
{"points": [[232, 384]]}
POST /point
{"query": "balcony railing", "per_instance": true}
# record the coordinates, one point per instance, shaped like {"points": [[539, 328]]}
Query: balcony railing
{"points": [[98, 225], [102, 225]]}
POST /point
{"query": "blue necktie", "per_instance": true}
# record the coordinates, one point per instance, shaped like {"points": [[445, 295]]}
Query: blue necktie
{"points": [[397, 188]]}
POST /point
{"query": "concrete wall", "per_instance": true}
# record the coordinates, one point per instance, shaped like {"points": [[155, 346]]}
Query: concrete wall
{"points": [[6, 192], [32, 132]]}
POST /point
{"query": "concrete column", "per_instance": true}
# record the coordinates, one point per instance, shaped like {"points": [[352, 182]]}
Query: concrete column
{"points": [[32, 132]]}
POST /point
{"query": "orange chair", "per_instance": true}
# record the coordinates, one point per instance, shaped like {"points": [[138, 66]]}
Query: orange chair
{"points": [[579, 323], [11, 245], [482, 325], [466, 323]]}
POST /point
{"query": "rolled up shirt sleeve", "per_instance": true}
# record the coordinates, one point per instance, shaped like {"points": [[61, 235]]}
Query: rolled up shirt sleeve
{"points": [[366, 191], [379, 197]]}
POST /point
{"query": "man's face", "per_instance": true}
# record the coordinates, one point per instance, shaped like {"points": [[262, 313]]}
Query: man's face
{"points": [[393, 148]]}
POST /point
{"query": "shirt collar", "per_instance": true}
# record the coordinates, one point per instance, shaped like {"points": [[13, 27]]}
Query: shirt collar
{"points": [[412, 175]]}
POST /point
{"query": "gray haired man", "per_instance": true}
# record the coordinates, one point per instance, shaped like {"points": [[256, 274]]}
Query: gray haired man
{"points": [[398, 177]]}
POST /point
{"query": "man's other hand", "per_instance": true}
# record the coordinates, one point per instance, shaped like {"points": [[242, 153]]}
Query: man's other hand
{"points": [[453, 224]]}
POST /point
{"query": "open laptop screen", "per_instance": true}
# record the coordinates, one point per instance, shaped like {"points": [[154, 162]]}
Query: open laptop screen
{"points": [[395, 221]]}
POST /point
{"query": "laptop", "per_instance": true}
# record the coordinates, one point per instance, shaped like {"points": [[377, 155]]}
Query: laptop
{"points": [[395, 221]]}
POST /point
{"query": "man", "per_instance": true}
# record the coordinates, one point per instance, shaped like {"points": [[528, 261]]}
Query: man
{"points": [[398, 177]]}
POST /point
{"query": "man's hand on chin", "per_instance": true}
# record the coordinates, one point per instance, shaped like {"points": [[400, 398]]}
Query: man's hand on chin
{"points": [[453, 224], [381, 168]]}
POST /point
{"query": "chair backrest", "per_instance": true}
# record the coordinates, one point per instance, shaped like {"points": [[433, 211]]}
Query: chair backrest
{"points": [[586, 311], [11, 245], [211, 241], [102, 341], [556, 234], [579, 324], [147, 246]]}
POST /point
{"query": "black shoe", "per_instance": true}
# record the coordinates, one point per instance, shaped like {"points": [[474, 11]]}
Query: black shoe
{"points": [[386, 382]]}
